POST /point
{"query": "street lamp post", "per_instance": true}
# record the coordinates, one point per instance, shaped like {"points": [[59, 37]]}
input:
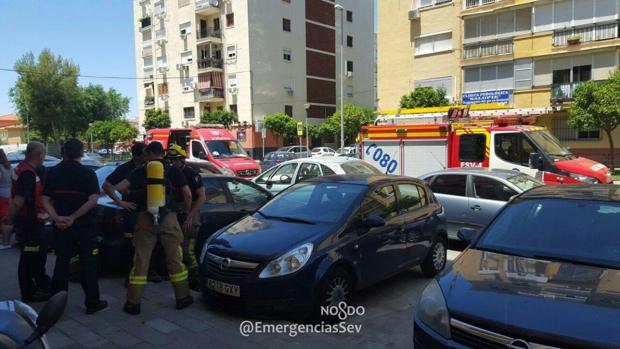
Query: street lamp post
{"points": [[90, 125], [342, 72]]}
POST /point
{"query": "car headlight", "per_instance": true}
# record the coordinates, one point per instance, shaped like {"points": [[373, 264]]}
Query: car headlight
{"points": [[583, 178], [609, 177], [288, 263], [432, 309]]}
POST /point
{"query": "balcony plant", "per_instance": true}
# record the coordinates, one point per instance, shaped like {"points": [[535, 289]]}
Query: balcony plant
{"points": [[574, 39]]}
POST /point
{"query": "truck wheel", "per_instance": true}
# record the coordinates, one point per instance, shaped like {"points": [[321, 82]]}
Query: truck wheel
{"points": [[435, 261]]}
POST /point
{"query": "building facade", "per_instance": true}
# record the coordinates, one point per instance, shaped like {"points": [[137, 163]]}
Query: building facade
{"points": [[253, 57], [522, 53]]}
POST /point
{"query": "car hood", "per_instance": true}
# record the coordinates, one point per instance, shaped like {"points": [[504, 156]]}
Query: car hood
{"points": [[585, 167], [537, 300], [256, 239], [239, 163]]}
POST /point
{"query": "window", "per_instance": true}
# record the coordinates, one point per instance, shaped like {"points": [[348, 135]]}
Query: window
{"points": [[232, 80], [380, 202], [427, 3], [349, 41], [490, 189], [288, 110], [472, 147], [307, 171], [214, 192], [231, 52], [287, 55], [243, 193], [514, 148], [412, 197], [183, 3], [489, 78], [582, 73], [523, 74], [327, 171], [349, 16], [185, 28], [263, 178], [216, 24], [565, 14], [284, 174], [188, 113], [233, 108], [566, 133], [230, 20], [162, 89], [287, 1], [350, 66], [433, 44], [450, 185], [445, 83], [286, 24], [198, 151]]}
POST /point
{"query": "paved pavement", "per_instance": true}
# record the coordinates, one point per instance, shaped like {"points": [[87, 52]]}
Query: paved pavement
{"points": [[387, 322]]}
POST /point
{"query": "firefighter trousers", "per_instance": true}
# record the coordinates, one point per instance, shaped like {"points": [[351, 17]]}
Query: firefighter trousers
{"points": [[189, 245], [32, 259], [146, 235]]}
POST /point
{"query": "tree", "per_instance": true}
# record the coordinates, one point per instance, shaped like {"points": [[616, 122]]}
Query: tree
{"points": [[109, 132], [597, 106], [46, 93], [97, 104], [281, 124], [424, 97], [355, 117], [221, 117], [156, 118]]}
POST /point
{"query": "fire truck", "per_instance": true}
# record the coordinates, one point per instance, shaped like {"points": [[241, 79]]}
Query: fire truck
{"points": [[418, 141]]}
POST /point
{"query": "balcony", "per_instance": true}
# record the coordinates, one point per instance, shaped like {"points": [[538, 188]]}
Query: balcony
{"points": [[476, 3], [490, 48], [149, 100], [593, 32], [210, 94], [210, 63], [564, 92], [207, 7], [209, 35], [147, 50]]}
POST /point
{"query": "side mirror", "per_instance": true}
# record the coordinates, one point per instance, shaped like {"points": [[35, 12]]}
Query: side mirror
{"points": [[269, 184], [282, 179], [536, 161], [374, 221], [49, 316], [467, 234]]}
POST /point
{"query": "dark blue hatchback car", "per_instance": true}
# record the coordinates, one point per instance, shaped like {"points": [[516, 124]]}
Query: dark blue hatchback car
{"points": [[322, 239]]}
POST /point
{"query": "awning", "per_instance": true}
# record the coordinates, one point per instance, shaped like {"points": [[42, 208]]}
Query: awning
{"points": [[207, 81]]}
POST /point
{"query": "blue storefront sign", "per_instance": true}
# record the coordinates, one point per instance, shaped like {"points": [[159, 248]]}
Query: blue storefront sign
{"points": [[500, 97]]}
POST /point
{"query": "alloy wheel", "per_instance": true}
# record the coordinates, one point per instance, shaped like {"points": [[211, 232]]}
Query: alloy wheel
{"points": [[337, 291], [439, 256]]}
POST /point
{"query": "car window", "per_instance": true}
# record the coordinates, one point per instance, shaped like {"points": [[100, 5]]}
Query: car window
{"points": [[265, 176], [214, 192], [472, 147], [327, 171], [514, 148], [198, 151], [491, 189], [359, 167], [243, 193], [525, 182], [380, 202], [284, 171], [450, 185], [307, 171], [270, 156], [412, 197]]}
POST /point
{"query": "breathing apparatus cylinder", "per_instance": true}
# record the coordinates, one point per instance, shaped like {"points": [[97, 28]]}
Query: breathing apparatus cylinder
{"points": [[155, 189]]}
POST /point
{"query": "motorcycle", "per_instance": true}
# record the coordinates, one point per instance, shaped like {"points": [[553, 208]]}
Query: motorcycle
{"points": [[21, 328]]}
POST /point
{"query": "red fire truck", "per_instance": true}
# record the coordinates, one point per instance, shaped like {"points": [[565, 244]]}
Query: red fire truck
{"points": [[418, 143]]}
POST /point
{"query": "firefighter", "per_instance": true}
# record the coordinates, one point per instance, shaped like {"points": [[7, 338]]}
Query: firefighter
{"points": [[155, 185], [28, 215], [190, 222], [70, 193]]}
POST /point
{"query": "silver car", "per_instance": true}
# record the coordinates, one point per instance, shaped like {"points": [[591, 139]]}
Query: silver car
{"points": [[472, 196]]}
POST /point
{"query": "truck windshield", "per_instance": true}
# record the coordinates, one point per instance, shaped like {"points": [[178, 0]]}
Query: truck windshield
{"points": [[226, 149], [549, 144]]}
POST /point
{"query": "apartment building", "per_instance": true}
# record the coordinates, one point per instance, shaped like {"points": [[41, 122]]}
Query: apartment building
{"points": [[253, 57], [528, 54]]}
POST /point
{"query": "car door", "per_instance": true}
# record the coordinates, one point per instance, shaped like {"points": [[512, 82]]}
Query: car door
{"points": [[487, 197], [218, 210], [451, 192], [417, 215], [381, 248], [308, 170], [247, 197], [282, 178]]}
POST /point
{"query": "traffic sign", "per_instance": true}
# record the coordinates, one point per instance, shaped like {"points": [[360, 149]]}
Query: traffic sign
{"points": [[263, 133], [300, 128]]}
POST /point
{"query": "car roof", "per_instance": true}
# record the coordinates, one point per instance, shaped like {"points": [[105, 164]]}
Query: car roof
{"points": [[596, 192], [365, 179], [499, 173], [325, 160]]}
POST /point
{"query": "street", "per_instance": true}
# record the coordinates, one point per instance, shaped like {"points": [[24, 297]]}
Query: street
{"points": [[386, 323]]}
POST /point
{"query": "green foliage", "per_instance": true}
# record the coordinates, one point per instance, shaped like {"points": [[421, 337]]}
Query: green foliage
{"points": [[281, 124], [97, 104], [221, 117], [597, 106], [424, 97], [354, 118], [109, 132], [156, 118]]}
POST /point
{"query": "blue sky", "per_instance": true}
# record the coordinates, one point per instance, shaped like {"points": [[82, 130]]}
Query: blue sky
{"points": [[97, 35]]}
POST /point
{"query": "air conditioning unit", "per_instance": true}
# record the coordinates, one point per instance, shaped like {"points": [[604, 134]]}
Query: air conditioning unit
{"points": [[184, 32], [189, 60], [233, 90], [187, 88], [289, 90], [162, 41], [414, 15], [162, 69], [349, 74]]}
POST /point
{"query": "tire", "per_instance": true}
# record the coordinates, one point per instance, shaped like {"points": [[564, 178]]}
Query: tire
{"points": [[336, 286], [436, 259]]}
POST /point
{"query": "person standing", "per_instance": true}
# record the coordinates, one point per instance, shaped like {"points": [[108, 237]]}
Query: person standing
{"points": [[27, 214], [70, 193], [5, 199], [167, 230], [190, 222]]}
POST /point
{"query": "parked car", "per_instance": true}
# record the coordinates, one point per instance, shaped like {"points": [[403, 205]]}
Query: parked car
{"points": [[348, 152], [323, 151], [301, 151], [473, 196], [229, 199], [543, 274], [288, 173], [50, 161], [275, 158], [321, 240]]}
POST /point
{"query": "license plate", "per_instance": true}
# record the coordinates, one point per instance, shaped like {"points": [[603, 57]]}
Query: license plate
{"points": [[223, 288]]}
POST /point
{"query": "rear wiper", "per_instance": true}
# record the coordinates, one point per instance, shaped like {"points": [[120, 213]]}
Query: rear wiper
{"points": [[574, 261]]}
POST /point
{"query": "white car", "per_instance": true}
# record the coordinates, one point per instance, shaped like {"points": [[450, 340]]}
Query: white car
{"points": [[290, 172], [323, 151]]}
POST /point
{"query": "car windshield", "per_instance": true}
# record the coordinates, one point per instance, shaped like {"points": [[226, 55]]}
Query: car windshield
{"points": [[359, 167], [316, 150], [226, 149], [549, 144], [524, 182], [577, 231], [314, 202]]}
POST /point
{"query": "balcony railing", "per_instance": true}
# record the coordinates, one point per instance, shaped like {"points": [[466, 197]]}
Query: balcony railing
{"points": [[564, 92], [209, 33], [206, 63], [476, 3], [149, 100], [210, 93], [490, 48], [593, 32], [206, 6]]}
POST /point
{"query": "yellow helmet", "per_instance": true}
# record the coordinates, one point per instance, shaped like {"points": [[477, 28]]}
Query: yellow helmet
{"points": [[175, 151]]}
